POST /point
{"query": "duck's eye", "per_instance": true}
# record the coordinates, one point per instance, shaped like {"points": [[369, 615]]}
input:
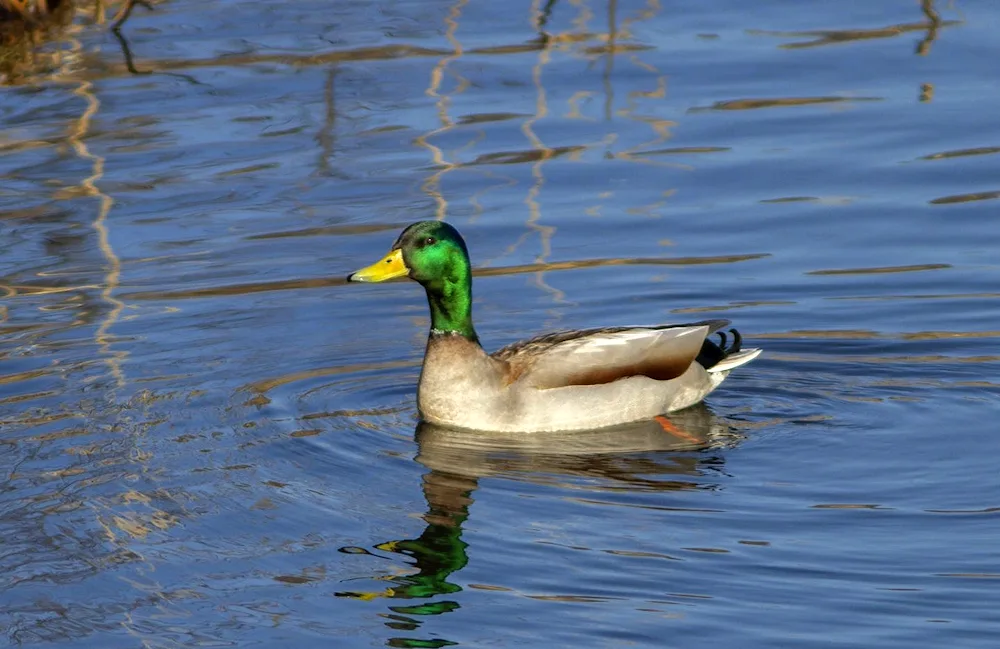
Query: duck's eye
{"points": [[430, 241]]}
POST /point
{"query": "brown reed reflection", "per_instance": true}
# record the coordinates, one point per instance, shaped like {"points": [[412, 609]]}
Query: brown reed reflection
{"points": [[849, 359], [867, 334], [965, 198], [926, 92], [880, 270], [24, 24], [323, 282], [339, 230], [327, 135], [920, 296], [933, 25], [821, 37], [753, 104], [958, 153]]}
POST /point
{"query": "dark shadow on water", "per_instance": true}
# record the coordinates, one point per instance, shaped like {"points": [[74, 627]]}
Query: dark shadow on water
{"points": [[670, 454]]}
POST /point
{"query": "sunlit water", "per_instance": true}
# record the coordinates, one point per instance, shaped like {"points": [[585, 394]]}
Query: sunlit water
{"points": [[207, 438]]}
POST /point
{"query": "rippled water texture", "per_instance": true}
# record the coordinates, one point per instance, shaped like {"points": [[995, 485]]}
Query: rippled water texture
{"points": [[208, 439]]}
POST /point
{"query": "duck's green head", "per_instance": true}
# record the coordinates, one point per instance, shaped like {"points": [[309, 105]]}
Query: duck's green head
{"points": [[427, 251], [434, 254]]}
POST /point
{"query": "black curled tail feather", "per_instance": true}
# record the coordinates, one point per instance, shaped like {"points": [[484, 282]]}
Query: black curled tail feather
{"points": [[737, 343], [712, 353]]}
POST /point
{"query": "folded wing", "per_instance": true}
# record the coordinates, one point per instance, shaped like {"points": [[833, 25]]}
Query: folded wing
{"points": [[603, 356]]}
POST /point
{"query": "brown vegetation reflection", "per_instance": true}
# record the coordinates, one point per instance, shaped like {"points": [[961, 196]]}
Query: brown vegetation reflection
{"points": [[880, 270], [984, 150], [931, 25], [753, 104], [323, 282], [966, 198], [26, 24], [821, 37]]}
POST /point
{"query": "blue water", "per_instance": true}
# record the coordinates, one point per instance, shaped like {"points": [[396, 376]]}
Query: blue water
{"points": [[208, 438]]}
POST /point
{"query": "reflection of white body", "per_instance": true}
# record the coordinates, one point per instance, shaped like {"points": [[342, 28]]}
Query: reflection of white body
{"points": [[589, 381], [614, 453]]}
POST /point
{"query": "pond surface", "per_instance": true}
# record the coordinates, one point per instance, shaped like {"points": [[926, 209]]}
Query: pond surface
{"points": [[207, 438]]}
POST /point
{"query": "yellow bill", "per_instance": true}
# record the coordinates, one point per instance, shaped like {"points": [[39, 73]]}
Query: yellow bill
{"points": [[388, 267]]}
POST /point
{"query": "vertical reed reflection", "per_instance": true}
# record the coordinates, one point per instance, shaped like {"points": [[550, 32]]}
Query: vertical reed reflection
{"points": [[77, 132], [609, 92], [660, 127], [924, 46], [545, 14], [432, 184], [328, 132], [933, 24], [545, 232]]}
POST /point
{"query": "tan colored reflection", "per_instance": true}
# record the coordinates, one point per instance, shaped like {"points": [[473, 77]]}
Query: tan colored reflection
{"points": [[63, 61], [619, 31], [580, 40], [104, 203], [538, 153], [531, 200], [661, 128], [432, 184], [444, 164]]}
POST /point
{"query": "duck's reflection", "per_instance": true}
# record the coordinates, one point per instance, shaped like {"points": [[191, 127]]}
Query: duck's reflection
{"points": [[636, 456]]}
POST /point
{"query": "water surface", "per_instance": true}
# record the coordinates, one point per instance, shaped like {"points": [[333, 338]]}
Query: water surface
{"points": [[207, 438]]}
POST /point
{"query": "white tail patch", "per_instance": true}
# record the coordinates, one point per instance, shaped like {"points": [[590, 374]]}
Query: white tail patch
{"points": [[735, 360]]}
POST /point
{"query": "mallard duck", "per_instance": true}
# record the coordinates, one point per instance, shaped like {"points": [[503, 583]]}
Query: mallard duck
{"points": [[570, 380]]}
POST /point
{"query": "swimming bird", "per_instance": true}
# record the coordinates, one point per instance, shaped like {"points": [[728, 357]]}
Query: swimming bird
{"points": [[569, 380]]}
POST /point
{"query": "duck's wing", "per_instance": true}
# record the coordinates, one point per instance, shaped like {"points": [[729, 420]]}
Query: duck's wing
{"points": [[598, 356]]}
